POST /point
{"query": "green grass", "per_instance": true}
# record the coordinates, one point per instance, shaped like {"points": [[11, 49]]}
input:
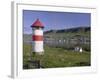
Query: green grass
{"points": [[57, 57]]}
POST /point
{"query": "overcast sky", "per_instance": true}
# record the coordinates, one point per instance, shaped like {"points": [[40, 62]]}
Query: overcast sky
{"points": [[55, 20]]}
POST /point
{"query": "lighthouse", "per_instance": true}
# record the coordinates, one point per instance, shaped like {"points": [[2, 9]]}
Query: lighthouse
{"points": [[37, 37]]}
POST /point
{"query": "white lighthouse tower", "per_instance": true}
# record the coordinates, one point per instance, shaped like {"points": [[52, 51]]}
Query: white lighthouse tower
{"points": [[37, 37]]}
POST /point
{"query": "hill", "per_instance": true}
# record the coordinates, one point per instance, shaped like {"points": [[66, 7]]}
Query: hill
{"points": [[77, 29], [67, 33]]}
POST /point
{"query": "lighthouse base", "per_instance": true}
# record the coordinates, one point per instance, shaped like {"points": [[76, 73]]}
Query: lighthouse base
{"points": [[37, 53]]}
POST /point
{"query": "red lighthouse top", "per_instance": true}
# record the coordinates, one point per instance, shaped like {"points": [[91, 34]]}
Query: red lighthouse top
{"points": [[38, 24]]}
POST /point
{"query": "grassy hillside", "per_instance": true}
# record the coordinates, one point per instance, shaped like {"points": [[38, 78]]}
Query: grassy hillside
{"points": [[78, 30], [68, 34]]}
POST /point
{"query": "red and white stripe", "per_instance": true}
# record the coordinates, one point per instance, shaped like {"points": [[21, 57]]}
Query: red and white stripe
{"points": [[37, 39]]}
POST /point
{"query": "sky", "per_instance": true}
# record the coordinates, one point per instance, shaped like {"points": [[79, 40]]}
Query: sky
{"points": [[55, 20]]}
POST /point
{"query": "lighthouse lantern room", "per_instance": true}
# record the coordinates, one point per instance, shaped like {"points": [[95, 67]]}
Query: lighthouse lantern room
{"points": [[37, 37]]}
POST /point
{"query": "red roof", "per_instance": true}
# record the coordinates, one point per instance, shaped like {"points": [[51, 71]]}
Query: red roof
{"points": [[37, 23]]}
